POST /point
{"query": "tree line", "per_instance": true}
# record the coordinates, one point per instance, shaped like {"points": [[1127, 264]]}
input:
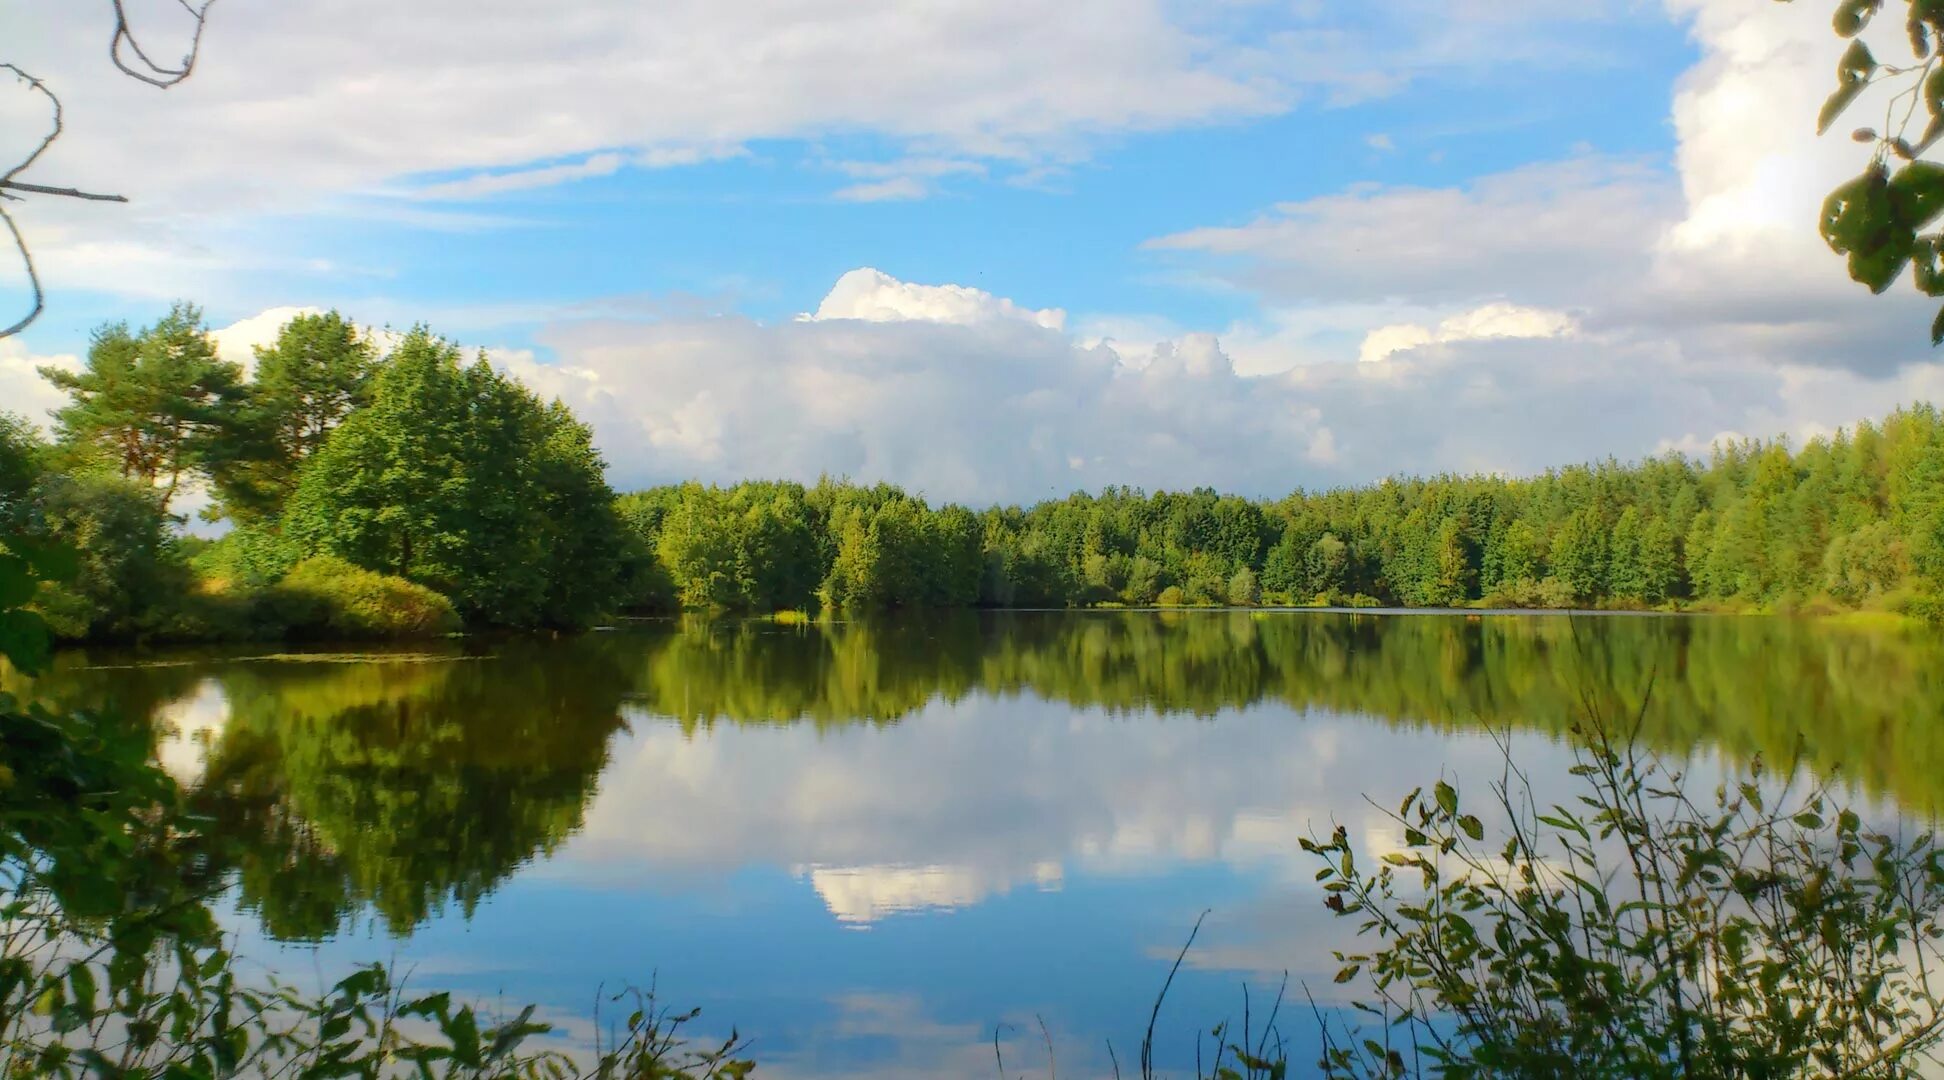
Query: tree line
{"points": [[407, 491], [1853, 520]]}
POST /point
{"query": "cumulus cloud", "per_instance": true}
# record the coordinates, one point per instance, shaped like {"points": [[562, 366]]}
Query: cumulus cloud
{"points": [[874, 296], [1486, 323], [963, 396], [22, 390], [1718, 257], [1557, 311]]}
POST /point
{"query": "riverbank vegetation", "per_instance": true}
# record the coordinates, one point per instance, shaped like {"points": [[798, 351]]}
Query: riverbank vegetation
{"points": [[113, 962], [366, 495], [440, 493]]}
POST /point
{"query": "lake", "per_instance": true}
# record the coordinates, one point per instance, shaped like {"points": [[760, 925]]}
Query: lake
{"points": [[866, 844]]}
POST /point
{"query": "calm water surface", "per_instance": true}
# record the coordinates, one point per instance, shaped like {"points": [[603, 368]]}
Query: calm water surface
{"points": [[867, 844]]}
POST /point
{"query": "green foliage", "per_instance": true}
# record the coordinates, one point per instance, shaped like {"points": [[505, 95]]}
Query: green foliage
{"points": [[1653, 928], [326, 597], [1878, 220], [22, 464], [111, 963], [457, 478], [248, 556], [452, 477], [318, 370], [129, 578], [1855, 519], [154, 406], [1243, 591]]}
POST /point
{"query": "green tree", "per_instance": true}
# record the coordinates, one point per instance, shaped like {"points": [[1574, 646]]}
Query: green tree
{"points": [[457, 478], [1521, 553], [1143, 581], [306, 382], [153, 406], [1328, 562], [1626, 573], [1284, 570], [1659, 563], [1243, 591], [129, 576], [698, 544], [1579, 555]]}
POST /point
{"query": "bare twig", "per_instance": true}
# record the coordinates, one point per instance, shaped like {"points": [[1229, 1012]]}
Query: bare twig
{"points": [[33, 277], [122, 46], [63, 192], [149, 71]]}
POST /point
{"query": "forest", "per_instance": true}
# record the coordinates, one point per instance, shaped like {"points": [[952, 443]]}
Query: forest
{"points": [[1854, 521], [409, 492]]}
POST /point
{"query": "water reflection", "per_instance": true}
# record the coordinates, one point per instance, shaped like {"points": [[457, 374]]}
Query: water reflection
{"points": [[996, 798]]}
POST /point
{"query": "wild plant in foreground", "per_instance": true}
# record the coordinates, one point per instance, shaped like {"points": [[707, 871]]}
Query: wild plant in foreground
{"points": [[1756, 929]]}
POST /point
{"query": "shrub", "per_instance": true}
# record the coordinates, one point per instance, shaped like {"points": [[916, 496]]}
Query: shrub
{"points": [[129, 574], [1654, 927], [1170, 597], [1243, 591], [325, 596]]}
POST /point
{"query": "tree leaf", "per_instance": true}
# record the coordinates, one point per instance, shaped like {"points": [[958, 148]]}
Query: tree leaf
{"points": [[1932, 132], [1852, 75], [1927, 265], [1917, 193], [1447, 798], [1853, 15], [1860, 220]]}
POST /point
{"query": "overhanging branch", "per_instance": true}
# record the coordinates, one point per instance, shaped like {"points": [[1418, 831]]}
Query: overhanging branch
{"points": [[64, 192], [126, 52]]}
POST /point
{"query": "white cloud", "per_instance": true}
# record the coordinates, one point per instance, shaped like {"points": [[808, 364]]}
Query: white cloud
{"points": [[963, 396], [359, 106], [22, 390], [347, 94], [874, 296], [898, 188], [1718, 258], [909, 178], [861, 895], [485, 184], [1485, 323], [1546, 234]]}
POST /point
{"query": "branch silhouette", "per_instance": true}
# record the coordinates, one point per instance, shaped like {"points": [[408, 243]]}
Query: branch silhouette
{"points": [[131, 58]]}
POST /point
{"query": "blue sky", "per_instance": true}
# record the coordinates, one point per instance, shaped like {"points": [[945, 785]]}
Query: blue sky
{"points": [[1254, 244]]}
